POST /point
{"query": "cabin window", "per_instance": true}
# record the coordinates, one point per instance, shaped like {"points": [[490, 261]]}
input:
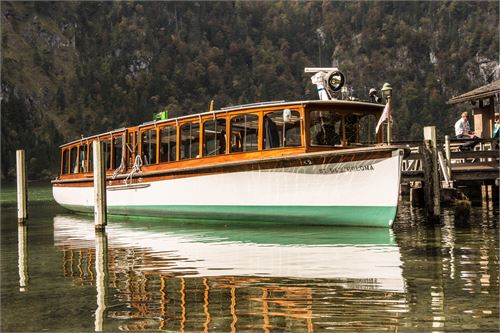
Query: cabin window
{"points": [[366, 127], [351, 128], [106, 147], [325, 128], [64, 162], [168, 143], [214, 137], [190, 141], [73, 155], [82, 164], [91, 157], [118, 151], [282, 129], [149, 146], [131, 151], [244, 133]]}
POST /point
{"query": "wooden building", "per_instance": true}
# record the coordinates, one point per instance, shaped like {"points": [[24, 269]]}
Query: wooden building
{"points": [[484, 100]]}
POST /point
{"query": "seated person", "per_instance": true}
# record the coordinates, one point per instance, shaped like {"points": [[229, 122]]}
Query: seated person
{"points": [[462, 131]]}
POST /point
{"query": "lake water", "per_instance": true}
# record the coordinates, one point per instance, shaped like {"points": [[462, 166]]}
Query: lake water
{"points": [[194, 276]]}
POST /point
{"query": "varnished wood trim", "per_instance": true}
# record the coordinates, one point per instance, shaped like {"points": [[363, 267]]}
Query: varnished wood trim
{"points": [[318, 158]]}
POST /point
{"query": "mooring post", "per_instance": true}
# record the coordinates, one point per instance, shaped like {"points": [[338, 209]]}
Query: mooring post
{"points": [[447, 152], [432, 172], [100, 216], [22, 193]]}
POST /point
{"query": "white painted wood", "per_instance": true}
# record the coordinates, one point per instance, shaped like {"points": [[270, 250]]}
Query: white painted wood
{"points": [[22, 191], [363, 183], [99, 201]]}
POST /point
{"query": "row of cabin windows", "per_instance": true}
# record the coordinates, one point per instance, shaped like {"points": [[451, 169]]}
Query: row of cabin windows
{"points": [[280, 129], [243, 138]]}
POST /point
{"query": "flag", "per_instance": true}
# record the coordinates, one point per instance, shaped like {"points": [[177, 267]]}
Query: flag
{"points": [[382, 117]]}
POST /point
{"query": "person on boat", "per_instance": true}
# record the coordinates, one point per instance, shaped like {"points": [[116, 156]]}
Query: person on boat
{"points": [[463, 131]]}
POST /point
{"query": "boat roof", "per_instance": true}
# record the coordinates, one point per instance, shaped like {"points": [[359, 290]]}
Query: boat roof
{"points": [[260, 105]]}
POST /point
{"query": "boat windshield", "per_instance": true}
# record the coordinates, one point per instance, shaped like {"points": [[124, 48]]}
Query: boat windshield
{"points": [[334, 128], [325, 128]]}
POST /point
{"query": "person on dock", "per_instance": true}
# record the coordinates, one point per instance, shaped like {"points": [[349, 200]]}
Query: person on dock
{"points": [[462, 131], [496, 129]]}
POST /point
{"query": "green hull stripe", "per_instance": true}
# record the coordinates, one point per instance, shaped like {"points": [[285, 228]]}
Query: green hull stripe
{"points": [[374, 216]]}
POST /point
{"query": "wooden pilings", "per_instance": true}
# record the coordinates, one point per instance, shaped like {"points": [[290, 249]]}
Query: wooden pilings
{"points": [[22, 191], [100, 215], [431, 174], [447, 153]]}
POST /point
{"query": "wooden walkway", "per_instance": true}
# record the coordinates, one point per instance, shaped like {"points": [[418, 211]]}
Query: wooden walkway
{"points": [[481, 164]]}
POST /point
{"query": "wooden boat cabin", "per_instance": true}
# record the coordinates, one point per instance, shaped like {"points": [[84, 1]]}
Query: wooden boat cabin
{"points": [[232, 134]]}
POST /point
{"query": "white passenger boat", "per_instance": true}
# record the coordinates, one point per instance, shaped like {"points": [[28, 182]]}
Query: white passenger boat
{"points": [[306, 162]]}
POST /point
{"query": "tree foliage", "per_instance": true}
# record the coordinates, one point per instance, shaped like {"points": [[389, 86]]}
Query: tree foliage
{"points": [[71, 69]]}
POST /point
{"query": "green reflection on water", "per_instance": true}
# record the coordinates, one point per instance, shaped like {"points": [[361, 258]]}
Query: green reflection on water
{"points": [[38, 193], [214, 231]]}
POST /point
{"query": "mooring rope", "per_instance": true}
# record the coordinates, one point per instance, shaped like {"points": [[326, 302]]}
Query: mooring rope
{"points": [[136, 168]]}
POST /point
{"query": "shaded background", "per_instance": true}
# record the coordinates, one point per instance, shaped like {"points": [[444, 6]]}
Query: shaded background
{"points": [[79, 68]]}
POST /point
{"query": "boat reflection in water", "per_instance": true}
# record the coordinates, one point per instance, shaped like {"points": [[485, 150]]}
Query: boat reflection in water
{"points": [[184, 277]]}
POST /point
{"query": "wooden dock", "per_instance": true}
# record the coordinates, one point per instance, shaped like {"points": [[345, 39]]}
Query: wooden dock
{"points": [[460, 174], [481, 164]]}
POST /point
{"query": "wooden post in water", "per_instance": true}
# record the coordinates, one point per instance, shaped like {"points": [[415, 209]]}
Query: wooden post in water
{"points": [[447, 153], [431, 174], [100, 216], [22, 193]]}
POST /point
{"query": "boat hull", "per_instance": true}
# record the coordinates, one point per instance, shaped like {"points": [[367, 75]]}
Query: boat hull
{"points": [[354, 192]]}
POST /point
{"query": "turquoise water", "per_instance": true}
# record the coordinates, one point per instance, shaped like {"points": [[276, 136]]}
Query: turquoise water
{"points": [[192, 276]]}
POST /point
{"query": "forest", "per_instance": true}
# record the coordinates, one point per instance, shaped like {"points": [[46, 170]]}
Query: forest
{"points": [[72, 69]]}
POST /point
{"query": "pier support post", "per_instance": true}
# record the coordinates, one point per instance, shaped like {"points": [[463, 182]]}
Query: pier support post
{"points": [[431, 174], [100, 215], [447, 154], [22, 193]]}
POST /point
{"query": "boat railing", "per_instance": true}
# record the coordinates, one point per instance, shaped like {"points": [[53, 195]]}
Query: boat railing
{"points": [[227, 108]]}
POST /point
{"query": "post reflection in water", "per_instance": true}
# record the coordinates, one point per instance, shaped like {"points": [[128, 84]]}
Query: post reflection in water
{"points": [[101, 277], [183, 277], [451, 273], [22, 252]]}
